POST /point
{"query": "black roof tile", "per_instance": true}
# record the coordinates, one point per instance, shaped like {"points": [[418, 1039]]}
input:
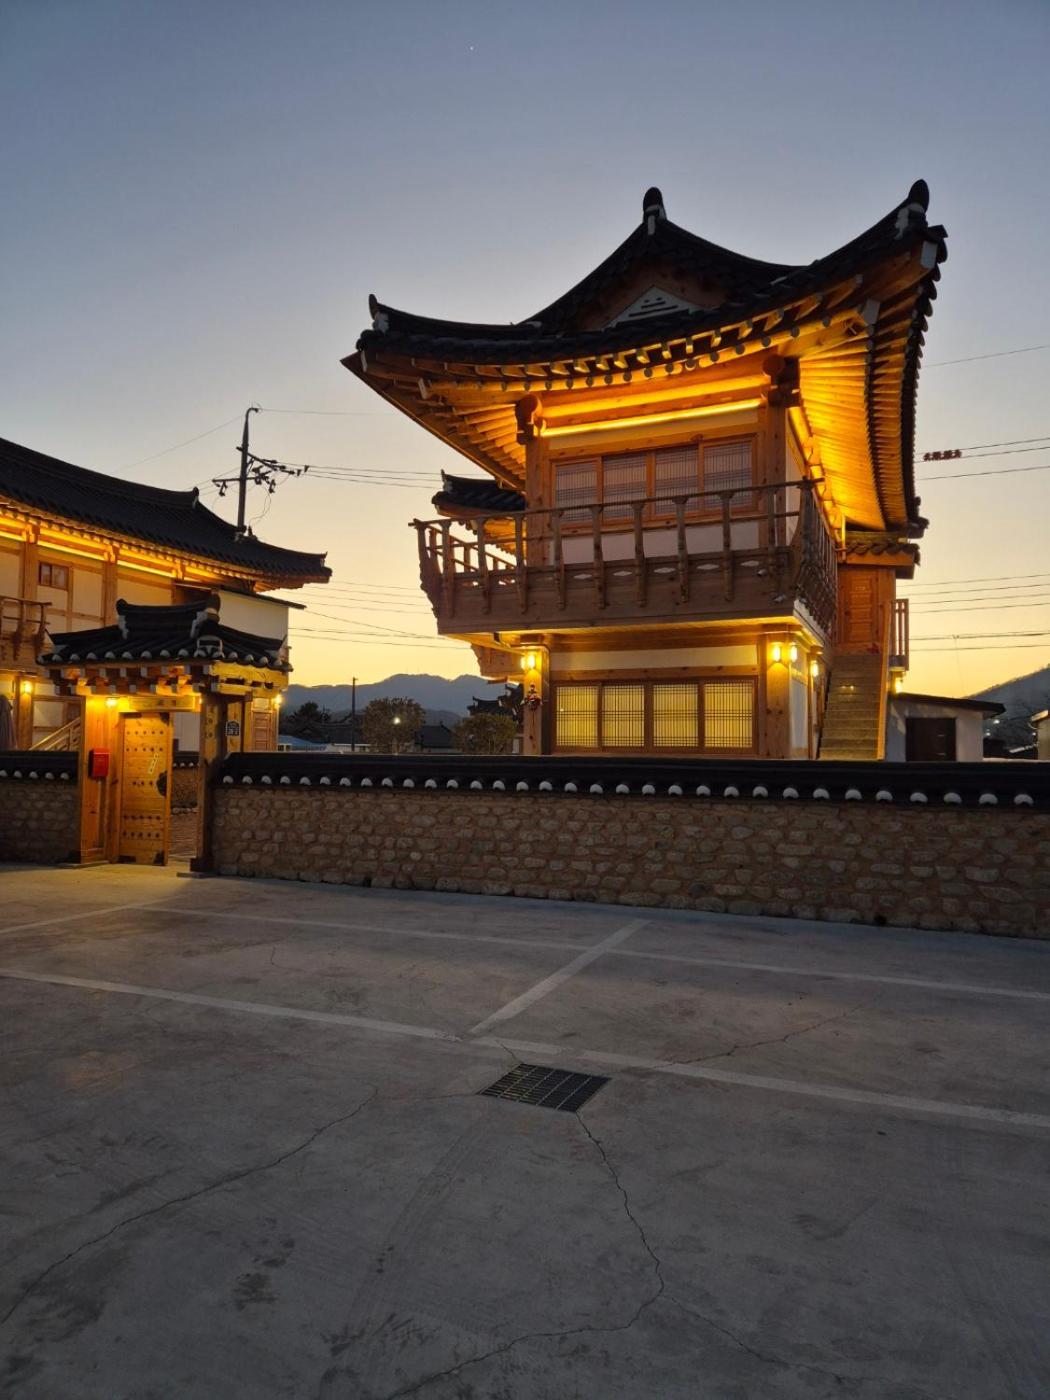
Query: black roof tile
{"points": [[172, 519], [747, 285]]}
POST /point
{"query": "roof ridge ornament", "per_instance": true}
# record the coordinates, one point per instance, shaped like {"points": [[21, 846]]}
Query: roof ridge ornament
{"points": [[653, 211]]}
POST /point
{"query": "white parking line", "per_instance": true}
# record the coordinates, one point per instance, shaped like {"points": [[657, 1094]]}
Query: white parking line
{"points": [[549, 984], [252, 1008], [511, 941], [769, 1084], [100, 912], [698, 960]]}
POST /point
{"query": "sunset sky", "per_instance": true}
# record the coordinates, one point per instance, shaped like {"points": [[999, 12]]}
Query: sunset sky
{"points": [[199, 198]]}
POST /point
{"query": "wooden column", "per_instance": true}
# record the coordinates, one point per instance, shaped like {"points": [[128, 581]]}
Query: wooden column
{"points": [[532, 729], [776, 728], [212, 751]]}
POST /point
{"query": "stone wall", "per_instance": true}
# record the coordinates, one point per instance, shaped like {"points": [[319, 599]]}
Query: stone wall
{"points": [[38, 820], [980, 870], [184, 785]]}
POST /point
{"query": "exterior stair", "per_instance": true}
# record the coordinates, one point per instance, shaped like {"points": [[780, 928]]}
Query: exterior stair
{"points": [[855, 717]]}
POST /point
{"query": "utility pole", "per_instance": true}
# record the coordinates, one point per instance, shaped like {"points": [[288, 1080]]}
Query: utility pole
{"points": [[353, 714], [242, 484]]}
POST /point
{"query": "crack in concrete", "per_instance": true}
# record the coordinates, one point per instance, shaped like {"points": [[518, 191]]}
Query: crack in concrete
{"points": [[787, 1365], [561, 1333], [781, 1039], [228, 1180]]}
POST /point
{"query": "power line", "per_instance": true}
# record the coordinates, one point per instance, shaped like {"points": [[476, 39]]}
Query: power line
{"points": [[1010, 646], [329, 412], [974, 636], [164, 451], [995, 355], [981, 607], [991, 471], [980, 578]]}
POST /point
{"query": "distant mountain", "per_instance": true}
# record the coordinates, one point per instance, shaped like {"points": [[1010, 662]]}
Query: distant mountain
{"points": [[445, 701], [1023, 697]]}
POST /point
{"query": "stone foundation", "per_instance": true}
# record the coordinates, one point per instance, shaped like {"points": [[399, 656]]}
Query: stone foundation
{"points": [[38, 820], [984, 870]]}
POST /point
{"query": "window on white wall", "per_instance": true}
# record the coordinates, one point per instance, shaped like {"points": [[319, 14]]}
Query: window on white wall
{"points": [[728, 467], [576, 485], [676, 472], [624, 478]]}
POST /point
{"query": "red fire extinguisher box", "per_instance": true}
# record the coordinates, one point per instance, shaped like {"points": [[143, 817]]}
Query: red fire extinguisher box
{"points": [[98, 763]]}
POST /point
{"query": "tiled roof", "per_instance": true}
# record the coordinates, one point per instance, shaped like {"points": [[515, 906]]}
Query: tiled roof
{"points": [[475, 493], [172, 519], [669, 305], [743, 286], [183, 632]]}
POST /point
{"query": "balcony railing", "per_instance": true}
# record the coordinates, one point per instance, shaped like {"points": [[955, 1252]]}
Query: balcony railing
{"points": [[23, 629], [753, 550]]}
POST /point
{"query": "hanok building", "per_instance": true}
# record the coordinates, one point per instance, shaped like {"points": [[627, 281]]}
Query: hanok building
{"points": [[699, 491], [133, 620]]}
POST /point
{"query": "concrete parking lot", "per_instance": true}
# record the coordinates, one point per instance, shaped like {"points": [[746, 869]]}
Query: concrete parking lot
{"points": [[245, 1155]]}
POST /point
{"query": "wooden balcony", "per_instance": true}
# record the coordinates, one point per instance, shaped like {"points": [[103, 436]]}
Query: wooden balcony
{"points": [[749, 552], [23, 630]]}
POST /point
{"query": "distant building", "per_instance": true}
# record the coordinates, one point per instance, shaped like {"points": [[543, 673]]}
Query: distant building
{"points": [[1041, 722], [936, 728], [73, 542]]}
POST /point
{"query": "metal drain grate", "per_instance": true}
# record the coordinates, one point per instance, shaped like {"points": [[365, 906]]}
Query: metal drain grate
{"points": [[544, 1087]]}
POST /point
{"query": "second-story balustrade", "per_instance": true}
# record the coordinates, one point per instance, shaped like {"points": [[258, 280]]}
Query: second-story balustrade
{"points": [[755, 551], [23, 630]]}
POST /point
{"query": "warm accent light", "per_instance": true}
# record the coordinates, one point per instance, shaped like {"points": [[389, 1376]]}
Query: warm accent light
{"points": [[278, 701], [776, 651], [641, 420], [814, 669], [528, 662], [27, 687], [793, 653], [111, 702], [898, 684]]}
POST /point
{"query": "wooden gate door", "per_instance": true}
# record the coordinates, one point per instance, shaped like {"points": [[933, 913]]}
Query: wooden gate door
{"points": [[145, 788], [858, 609]]}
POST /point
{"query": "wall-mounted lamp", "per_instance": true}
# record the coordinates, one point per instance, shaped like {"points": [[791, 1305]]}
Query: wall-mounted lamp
{"points": [[530, 661], [793, 652], [814, 669], [898, 684], [27, 687], [278, 701], [776, 652], [111, 702]]}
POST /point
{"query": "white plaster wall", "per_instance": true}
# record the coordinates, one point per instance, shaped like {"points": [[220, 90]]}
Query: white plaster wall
{"points": [[695, 658], [187, 729], [799, 701], [10, 571], [969, 728], [265, 617], [134, 588]]}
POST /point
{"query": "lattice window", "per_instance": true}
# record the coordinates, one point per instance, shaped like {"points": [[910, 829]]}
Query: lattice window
{"points": [[728, 466], [576, 716], [623, 479], [676, 472], [729, 714], [623, 716], [675, 716], [576, 484]]}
